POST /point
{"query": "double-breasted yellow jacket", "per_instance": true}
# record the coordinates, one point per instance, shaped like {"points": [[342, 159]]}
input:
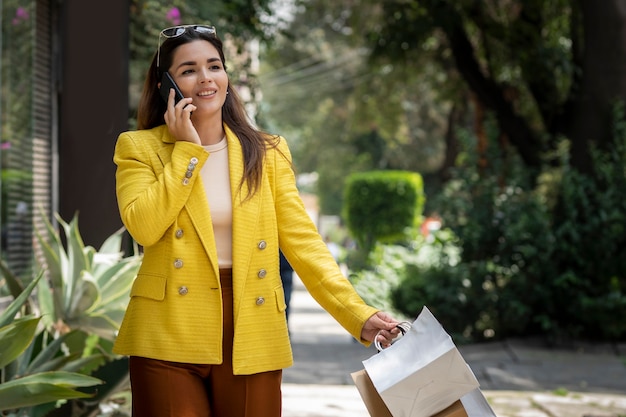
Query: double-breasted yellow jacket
{"points": [[175, 308]]}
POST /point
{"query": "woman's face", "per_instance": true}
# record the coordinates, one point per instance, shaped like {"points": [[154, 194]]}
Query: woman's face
{"points": [[199, 73]]}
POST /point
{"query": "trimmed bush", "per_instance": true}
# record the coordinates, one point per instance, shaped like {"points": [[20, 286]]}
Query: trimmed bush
{"points": [[380, 205]]}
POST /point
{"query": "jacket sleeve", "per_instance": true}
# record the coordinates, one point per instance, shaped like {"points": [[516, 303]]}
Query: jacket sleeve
{"points": [[153, 183], [308, 254]]}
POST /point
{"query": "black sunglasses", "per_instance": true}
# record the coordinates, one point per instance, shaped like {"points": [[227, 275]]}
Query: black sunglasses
{"points": [[176, 31]]}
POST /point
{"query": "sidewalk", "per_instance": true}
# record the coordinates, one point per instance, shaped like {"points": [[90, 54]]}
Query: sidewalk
{"points": [[518, 378]]}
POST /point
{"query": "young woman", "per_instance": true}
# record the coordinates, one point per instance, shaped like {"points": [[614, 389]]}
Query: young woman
{"points": [[211, 199]]}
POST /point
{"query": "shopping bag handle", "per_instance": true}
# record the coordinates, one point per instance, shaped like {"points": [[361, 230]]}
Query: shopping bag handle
{"points": [[404, 327]]}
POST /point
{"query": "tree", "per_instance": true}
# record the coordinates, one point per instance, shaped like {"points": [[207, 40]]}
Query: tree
{"points": [[545, 69], [320, 92]]}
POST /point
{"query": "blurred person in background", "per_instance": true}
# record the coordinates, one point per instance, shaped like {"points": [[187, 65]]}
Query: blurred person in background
{"points": [[286, 276]]}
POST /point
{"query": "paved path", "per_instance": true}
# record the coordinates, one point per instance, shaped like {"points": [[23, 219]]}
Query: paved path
{"points": [[519, 378]]}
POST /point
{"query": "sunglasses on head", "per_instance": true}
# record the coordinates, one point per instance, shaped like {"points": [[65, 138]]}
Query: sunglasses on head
{"points": [[176, 31]]}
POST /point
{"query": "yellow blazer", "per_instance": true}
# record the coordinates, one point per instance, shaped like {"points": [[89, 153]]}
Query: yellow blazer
{"points": [[175, 309]]}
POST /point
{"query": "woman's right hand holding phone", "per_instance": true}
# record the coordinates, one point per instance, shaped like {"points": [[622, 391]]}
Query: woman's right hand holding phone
{"points": [[178, 119]]}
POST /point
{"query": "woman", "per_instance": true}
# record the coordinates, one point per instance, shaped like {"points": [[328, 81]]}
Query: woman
{"points": [[211, 200]]}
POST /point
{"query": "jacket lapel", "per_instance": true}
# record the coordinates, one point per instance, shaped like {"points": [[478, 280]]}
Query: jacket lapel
{"points": [[197, 205], [200, 215], [246, 215]]}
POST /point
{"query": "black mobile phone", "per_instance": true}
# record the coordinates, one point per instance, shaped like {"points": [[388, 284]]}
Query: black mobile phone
{"points": [[167, 82]]}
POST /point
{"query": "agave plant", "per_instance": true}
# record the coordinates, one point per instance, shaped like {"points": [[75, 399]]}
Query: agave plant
{"points": [[81, 301], [87, 289], [35, 373]]}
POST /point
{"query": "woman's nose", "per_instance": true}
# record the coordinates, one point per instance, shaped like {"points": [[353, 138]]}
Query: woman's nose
{"points": [[205, 76]]}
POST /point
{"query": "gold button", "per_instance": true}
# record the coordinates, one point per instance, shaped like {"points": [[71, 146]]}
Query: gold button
{"points": [[260, 301], [183, 290]]}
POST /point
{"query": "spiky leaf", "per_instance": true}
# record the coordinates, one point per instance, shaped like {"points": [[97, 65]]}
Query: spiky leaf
{"points": [[15, 338], [43, 388]]}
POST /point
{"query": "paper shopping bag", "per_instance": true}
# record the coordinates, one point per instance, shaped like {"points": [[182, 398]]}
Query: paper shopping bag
{"points": [[422, 373], [377, 408], [455, 410], [476, 405], [374, 404]]}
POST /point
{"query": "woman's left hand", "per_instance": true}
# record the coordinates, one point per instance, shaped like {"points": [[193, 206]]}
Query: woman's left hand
{"points": [[383, 325]]}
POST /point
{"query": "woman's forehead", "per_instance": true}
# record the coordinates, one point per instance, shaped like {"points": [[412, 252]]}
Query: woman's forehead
{"points": [[195, 50]]}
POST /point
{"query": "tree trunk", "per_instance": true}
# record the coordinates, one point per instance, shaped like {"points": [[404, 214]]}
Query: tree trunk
{"points": [[490, 93], [603, 81]]}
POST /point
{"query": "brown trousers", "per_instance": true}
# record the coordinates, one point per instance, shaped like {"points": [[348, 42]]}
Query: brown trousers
{"points": [[172, 389]]}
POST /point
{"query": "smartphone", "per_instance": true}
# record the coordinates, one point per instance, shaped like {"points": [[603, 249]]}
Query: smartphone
{"points": [[167, 82]]}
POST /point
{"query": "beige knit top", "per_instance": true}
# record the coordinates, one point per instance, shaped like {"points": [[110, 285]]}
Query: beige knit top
{"points": [[216, 179]]}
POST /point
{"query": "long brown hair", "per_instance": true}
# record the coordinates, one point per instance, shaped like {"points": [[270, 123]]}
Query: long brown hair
{"points": [[151, 109]]}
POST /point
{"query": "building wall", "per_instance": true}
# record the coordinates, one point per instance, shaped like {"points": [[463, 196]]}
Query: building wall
{"points": [[93, 110]]}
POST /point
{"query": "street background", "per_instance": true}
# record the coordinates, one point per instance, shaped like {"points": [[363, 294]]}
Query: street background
{"points": [[519, 378]]}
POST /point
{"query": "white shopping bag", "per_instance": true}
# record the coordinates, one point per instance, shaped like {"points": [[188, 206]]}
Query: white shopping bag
{"points": [[476, 405], [423, 373]]}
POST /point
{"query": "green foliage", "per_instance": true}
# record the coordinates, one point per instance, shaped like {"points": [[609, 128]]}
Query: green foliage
{"points": [[548, 260], [34, 371], [342, 114], [21, 299], [15, 337], [44, 387], [382, 286], [82, 300], [381, 205], [590, 227], [240, 20], [375, 284], [87, 289], [443, 292]]}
